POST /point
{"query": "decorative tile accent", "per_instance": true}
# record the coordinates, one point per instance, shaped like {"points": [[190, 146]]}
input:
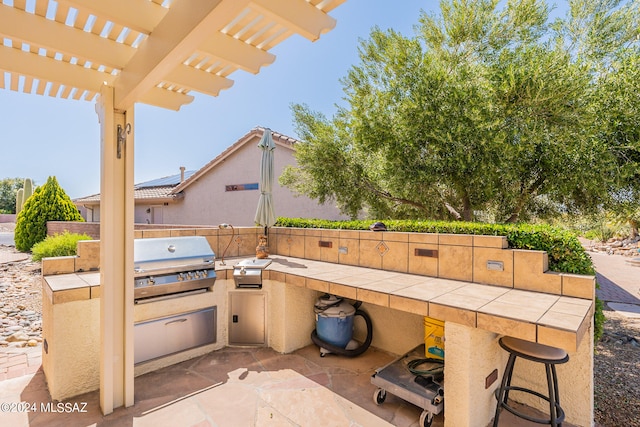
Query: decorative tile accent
{"points": [[382, 248]]}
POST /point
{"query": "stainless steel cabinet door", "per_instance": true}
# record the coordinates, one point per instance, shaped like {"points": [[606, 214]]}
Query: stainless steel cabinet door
{"points": [[247, 320]]}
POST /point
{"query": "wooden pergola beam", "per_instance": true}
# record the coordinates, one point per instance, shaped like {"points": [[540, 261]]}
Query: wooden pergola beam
{"points": [[49, 69], [139, 15], [57, 37]]}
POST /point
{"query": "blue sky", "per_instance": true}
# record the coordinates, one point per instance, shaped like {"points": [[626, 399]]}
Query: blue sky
{"points": [[43, 136]]}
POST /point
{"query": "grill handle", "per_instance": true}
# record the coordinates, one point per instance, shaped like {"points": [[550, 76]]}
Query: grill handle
{"points": [[177, 321]]}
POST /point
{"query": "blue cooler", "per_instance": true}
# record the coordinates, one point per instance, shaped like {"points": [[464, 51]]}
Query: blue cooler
{"points": [[334, 320]]}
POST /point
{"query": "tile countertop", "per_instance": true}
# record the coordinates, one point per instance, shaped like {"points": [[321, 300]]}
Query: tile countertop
{"points": [[553, 320], [69, 287]]}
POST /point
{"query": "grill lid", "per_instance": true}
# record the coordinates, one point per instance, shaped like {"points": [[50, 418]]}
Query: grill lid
{"points": [[172, 254], [254, 263]]}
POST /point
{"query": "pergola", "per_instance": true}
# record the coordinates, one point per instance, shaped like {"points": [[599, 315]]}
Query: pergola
{"points": [[121, 52]]}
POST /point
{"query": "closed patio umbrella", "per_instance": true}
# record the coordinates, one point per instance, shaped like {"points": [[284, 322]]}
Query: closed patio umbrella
{"points": [[265, 214]]}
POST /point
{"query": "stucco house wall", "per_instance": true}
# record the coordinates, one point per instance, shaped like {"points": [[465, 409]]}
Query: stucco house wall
{"points": [[218, 205], [225, 190]]}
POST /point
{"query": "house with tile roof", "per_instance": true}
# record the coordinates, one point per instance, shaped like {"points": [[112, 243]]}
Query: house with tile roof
{"points": [[225, 190]]}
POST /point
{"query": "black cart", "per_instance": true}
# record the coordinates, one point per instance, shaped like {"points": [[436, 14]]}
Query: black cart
{"points": [[424, 391]]}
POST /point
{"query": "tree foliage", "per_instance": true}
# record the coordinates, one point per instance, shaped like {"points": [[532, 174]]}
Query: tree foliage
{"points": [[48, 203], [487, 110], [619, 129], [8, 190]]}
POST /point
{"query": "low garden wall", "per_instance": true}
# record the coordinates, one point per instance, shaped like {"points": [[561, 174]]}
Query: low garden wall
{"points": [[4, 218], [93, 228]]}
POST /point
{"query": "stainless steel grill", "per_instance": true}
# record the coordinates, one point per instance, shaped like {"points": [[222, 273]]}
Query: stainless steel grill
{"points": [[172, 265]]}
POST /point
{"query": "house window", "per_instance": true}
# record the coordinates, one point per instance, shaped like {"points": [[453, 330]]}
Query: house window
{"points": [[241, 187]]}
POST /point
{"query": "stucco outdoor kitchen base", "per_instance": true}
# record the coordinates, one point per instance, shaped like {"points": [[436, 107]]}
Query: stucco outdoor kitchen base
{"points": [[293, 285]]}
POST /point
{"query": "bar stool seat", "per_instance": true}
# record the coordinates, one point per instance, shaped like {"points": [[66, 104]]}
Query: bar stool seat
{"points": [[549, 356]]}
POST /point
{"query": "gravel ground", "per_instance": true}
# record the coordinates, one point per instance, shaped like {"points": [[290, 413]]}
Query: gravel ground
{"points": [[20, 303], [617, 372], [26, 275], [617, 358]]}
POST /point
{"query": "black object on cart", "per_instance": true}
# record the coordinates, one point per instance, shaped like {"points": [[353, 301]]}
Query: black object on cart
{"points": [[425, 390]]}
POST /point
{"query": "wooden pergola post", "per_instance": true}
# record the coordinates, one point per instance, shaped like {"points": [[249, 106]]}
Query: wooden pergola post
{"points": [[116, 252]]}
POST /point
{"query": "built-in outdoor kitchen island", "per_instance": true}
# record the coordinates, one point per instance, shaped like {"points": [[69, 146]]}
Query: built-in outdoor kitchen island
{"points": [[481, 290]]}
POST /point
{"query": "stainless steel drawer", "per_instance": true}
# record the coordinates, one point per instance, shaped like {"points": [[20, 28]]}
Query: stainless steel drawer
{"points": [[168, 335]]}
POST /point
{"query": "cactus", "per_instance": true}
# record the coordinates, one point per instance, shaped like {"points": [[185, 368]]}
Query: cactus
{"points": [[19, 200], [23, 194], [28, 189]]}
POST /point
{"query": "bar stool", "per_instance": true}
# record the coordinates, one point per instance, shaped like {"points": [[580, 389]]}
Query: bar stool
{"points": [[550, 356]]}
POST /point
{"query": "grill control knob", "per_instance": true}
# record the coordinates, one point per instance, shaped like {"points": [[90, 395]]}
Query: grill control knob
{"points": [[180, 277], [151, 281], [243, 271]]}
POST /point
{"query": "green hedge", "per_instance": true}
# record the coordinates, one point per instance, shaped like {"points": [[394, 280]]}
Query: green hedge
{"points": [[64, 244], [566, 254]]}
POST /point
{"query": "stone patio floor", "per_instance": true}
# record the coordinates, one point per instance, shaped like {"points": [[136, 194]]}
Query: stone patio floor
{"points": [[231, 387]]}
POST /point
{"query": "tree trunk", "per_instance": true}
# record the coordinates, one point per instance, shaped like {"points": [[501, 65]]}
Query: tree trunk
{"points": [[524, 197], [452, 211], [467, 212], [633, 225], [513, 218]]}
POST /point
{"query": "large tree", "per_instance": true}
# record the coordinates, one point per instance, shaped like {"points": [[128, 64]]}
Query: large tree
{"points": [[485, 109]]}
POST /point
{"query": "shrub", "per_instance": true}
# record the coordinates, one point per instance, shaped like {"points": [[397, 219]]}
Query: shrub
{"points": [[48, 203], [566, 254], [64, 244]]}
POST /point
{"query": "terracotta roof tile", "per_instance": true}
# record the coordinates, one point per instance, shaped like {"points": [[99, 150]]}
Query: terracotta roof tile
{"points": [[145, 193]]}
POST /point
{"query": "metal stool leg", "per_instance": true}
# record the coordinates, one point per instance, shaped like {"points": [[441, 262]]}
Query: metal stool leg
{"points": [[502, 395], [552, 395], [558, 409]]}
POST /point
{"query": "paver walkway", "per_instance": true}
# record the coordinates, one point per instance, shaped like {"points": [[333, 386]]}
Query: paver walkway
{"points": [[619, 280], [16, 362]]}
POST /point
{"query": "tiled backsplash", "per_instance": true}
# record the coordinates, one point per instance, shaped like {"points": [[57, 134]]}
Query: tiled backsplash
{"points": [[469, 258]]}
